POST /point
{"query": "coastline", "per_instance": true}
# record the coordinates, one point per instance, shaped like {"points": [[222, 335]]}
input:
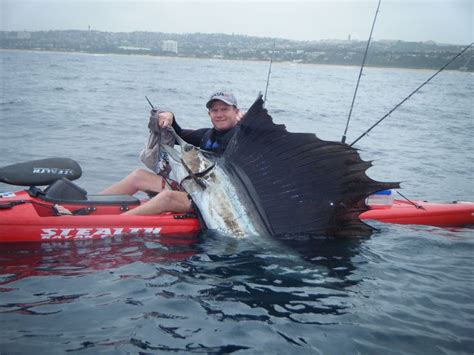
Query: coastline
{"points": [[39, 50]]}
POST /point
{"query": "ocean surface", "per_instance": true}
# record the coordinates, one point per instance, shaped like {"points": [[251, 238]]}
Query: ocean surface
{"points": [[404, 290]]}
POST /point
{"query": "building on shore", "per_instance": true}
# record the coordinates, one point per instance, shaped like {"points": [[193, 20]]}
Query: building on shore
{"points": [[23, 35], [170, 46]]}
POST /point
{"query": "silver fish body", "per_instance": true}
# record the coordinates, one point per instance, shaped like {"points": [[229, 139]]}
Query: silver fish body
{"points": [[218, 194]]}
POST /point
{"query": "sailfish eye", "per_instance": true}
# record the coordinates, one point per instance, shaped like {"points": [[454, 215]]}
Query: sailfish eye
{"points": [[188, 148]]}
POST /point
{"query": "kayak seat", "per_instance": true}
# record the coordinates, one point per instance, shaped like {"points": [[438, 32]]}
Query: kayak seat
{"points": [[65, 191]]}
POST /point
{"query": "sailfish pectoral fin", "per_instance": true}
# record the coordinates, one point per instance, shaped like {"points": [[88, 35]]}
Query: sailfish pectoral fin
{"points": [[193, 176]]}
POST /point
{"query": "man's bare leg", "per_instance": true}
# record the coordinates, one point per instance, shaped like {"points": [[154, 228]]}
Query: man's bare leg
{"points": [[165, 201], [138, 180]]}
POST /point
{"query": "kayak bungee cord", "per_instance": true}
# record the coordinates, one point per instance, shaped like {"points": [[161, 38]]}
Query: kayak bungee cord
{"points": [[406, 98], [343, 140], [57, 209]]}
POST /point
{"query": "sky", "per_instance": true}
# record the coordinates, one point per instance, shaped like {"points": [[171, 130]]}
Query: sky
{"points": [[442, 21]]}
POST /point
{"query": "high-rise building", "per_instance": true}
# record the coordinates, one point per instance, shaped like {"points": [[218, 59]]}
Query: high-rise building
{"points": [[170, 46]]}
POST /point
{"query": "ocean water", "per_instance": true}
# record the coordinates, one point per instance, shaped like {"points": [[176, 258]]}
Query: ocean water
{"points": [[404, 290]]}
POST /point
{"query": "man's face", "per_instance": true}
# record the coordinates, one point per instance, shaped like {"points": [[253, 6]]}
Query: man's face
{"points": [[223, 116]]}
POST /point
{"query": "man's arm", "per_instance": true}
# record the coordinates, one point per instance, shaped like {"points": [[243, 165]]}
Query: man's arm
{"points": [[194, 137]]}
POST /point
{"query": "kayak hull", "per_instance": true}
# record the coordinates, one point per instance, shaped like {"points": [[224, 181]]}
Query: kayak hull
{"points": [[455, 214], [24, 218]]}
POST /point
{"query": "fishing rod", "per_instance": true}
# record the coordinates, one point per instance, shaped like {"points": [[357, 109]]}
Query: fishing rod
{"points": [[269, 72], [417, 206], [343, 140], [416, 90], [153, 107]]}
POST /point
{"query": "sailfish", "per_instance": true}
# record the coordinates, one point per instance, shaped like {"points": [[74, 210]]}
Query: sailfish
{"points": [[273, 182]]}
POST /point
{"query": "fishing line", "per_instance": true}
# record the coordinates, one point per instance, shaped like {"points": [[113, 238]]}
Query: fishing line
{"points": [[416, 90], [343, 140]]}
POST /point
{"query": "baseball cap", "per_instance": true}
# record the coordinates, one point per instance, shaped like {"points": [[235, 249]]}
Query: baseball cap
{"points": [[224, 96]]}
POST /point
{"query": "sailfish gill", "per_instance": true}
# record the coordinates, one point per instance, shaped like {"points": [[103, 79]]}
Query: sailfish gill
{"points": [[273, 182]]}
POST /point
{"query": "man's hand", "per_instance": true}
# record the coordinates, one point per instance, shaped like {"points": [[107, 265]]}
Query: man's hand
{"points": [[165, 119], [240, 114]]}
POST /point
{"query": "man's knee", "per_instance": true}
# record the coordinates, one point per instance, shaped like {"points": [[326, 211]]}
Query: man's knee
{"points": [[177, 200], [138, 174], [145, 180], [169, 196]]}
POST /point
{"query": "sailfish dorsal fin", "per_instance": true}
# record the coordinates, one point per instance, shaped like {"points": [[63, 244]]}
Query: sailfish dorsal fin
{"points": [[299, 183]]}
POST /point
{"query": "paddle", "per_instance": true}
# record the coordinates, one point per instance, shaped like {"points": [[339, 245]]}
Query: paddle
{"points": [[40, 172]]}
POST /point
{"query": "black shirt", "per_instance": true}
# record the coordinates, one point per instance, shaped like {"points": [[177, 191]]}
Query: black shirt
{"points": [[208, 139]]}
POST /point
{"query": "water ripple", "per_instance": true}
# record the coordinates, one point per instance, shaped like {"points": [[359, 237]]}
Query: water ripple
{"points": [[405, 290]]}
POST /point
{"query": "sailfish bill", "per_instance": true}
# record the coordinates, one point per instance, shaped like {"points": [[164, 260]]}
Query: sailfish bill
{"points": [[273, 182]]}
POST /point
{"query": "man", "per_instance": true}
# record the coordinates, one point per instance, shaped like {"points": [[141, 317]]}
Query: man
{"points": [[224, 114]]}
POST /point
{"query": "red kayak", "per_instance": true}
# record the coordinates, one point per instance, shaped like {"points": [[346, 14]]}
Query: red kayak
{"points": [[455, 214], [26, 218], [32, 215]]}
